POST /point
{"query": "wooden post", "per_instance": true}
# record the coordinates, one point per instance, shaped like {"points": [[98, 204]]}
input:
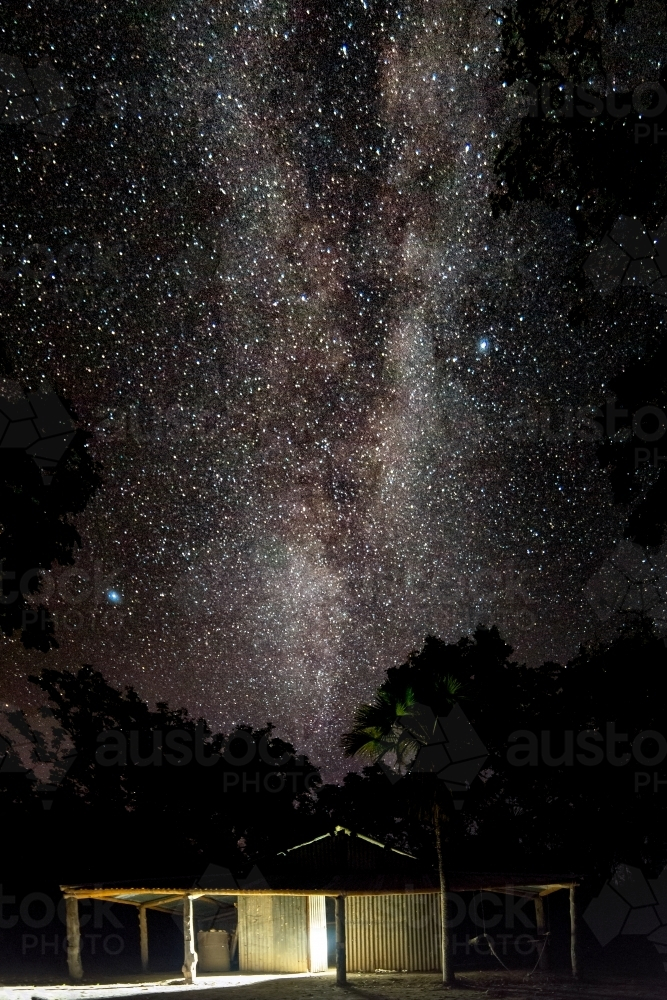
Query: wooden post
{"points": [[341, 962], [73, 937], [542, 938], [190, 954], [143, 938], [573, 934]]}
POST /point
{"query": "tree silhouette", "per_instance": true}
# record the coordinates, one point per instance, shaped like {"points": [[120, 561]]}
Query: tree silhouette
{"points": [[37, 531], [176, 797], [560, 807], [35, 527], [569, 151], [632, 448]]}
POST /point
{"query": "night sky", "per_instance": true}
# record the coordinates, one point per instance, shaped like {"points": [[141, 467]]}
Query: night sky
{"points": [[338, 406]]}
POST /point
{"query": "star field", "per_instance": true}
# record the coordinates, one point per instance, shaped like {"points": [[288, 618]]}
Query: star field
{"points": [[337, 405]]}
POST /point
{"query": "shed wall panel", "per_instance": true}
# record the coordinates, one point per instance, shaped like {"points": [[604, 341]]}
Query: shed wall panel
{"points": [[317, 934], [255, 933], [273, 933], [397, 933]]}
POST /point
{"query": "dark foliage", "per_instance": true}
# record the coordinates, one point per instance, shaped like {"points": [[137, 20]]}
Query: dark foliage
{"points": [[638, 473], [36, 532], [543, 815], [564, 153], [177, 798]]}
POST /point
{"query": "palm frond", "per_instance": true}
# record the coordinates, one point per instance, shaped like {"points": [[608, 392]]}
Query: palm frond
{"points": [[363, 743], [377, 728], [447, 691]]}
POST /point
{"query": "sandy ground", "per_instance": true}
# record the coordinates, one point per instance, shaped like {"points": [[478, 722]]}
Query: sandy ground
{"points": [[413, 986], [361, 986]]}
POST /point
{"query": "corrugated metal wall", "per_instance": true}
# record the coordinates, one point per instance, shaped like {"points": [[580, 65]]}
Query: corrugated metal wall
{"points": [[317, 933], [273, 933], [397, 933], [289, 933]]}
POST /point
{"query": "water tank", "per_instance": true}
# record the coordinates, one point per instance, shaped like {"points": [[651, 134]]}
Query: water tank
{"points": [[213, 950]]}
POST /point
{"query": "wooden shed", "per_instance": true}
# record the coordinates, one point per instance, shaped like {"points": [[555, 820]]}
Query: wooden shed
{"points": [[387, 908]]}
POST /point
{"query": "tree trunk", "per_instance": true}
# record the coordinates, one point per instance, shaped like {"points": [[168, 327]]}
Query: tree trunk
{"points": [[448, 978], [73, 937], [573, 934], [190, 952], [143, 938], [542, 936]]}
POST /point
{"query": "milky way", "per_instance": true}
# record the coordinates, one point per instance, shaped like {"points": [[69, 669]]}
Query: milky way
{"points": [[338, 406]]}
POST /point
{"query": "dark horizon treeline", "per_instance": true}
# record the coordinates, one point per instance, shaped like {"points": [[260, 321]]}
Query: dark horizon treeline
{"points": [[132, 804]]}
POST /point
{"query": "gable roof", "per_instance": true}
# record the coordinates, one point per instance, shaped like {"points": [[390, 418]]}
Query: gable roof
{"points": [[344, 861]]}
